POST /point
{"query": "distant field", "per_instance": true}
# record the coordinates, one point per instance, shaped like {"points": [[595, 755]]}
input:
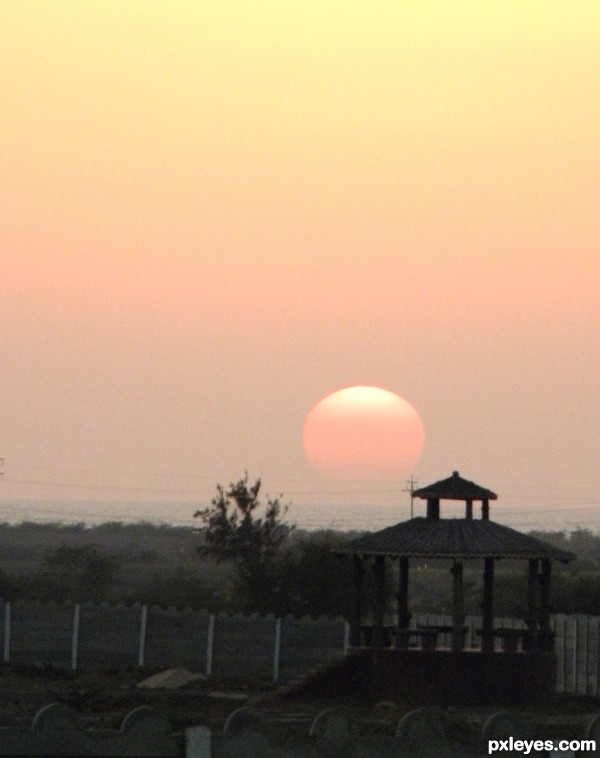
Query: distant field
{"points": [[146, 555], [159, 564], [23, 546]]}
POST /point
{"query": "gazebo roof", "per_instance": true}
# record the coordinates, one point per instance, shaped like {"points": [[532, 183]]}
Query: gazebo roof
{"points": [[455, 488], [452, 538]]}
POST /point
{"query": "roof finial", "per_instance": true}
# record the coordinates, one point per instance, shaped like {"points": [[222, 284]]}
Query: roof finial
{"points": [[455, 474]]}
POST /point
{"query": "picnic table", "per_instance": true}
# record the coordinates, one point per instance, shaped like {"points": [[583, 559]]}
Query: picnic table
{"points": [[510, 637], [427, 636]]}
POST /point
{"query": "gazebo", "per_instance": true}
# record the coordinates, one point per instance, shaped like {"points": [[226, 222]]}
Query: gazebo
{"points": [[482, 674]]}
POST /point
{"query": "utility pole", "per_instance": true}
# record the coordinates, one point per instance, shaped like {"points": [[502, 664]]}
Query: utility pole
{"points": [[410, 487]]}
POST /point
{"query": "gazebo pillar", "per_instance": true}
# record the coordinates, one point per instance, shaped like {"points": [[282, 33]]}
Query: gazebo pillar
{"points": [[485, 509], [378, 600], [487, 607], [403, 612], [532, 604], [357, 581], [433, 507], [545, 635], [458, 606]]}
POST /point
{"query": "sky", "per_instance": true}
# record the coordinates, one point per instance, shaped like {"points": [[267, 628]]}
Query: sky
{"points": [[215, 213]]}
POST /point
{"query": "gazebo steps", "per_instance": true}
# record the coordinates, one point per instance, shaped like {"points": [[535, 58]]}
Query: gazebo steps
{"points": [[345, 675]]}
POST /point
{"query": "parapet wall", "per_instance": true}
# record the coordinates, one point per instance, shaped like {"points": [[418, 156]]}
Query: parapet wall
{"points": [[106, 636], [115, 636]]}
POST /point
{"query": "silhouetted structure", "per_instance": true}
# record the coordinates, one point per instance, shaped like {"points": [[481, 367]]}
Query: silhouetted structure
{"points": [[454, 674]]}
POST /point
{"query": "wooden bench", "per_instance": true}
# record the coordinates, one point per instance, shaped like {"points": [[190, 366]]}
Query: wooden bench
{"points": [[367, 634], [445, 629], [428, 637], [510, 637]]}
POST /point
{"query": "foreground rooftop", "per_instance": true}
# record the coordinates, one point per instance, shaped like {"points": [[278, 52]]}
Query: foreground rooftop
{"points": [[452, 538]]}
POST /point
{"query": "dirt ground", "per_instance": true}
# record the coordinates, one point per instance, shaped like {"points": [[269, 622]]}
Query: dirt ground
{"points": [[102, 699]]}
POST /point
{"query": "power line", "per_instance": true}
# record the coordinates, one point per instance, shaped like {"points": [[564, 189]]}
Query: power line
{"points": [[200, 493], [205, 478], [382, 517], [110, 487]]}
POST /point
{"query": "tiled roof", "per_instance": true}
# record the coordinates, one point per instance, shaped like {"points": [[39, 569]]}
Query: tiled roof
{"points": [[455, 488], [453, 538]]}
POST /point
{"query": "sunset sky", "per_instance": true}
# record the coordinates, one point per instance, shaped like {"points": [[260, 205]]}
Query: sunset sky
{"points": [[214, 213]]}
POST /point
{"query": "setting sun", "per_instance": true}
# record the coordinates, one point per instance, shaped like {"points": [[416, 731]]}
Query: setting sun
{"points": [[363, 431]]}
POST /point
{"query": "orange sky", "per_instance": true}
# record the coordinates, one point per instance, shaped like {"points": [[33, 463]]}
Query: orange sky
{"points": [[216, 212]]}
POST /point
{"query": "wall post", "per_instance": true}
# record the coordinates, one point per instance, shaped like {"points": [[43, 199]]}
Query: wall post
{"points": [[533, 587], [75, 637], [209, 644], [546, 637], [197, 742], [277, 651], [143, 624], [7, 631], [346, 637]]}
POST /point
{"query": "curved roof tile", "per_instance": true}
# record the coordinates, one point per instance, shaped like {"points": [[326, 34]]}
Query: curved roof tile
{"points": [[455, 488], [453, 538]]}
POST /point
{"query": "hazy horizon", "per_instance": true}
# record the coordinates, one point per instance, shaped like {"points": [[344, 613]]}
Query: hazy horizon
{"points": [[308, 516]]}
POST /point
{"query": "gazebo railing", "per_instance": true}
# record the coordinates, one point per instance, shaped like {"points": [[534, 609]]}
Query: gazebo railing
{"points": [[472, 627]]}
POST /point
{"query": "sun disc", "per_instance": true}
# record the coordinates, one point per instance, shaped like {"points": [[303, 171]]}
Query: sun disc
{"points": [[363, 431]]}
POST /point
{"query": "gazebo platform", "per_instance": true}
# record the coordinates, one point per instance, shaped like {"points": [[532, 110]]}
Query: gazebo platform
{"points": [[440, 677], [468, 677]]}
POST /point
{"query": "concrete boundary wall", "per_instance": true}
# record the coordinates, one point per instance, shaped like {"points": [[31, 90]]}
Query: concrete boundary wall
{"points": [[89, 636]]}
